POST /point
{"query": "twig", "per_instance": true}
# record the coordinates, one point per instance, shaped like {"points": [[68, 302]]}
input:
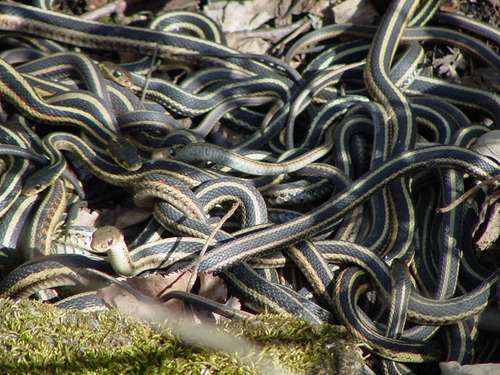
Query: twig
{"points": [[150, 72], [117, 7], [209, 239], [276, 33], [293, 8], [278, 49], [467, 194]]}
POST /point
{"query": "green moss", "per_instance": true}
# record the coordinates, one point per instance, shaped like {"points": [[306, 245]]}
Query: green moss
{"points": [[305, 348], [39, 339]]}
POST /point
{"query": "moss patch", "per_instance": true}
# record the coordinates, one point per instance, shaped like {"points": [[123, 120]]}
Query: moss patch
{"points": [[38, 338], [303, 347]]}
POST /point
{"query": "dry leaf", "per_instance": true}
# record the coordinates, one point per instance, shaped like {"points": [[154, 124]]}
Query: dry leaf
{"points": [[488, 144], [489, 217], [123, 217], [84, 217], [156, 286], [241, 15], [119, 299], [212, 287], [449, 64], [355, 11], [180, 4], [450, 6], [132, 217], [248, 45]]}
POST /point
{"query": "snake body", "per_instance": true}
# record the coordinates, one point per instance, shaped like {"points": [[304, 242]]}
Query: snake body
{"points": [[360, 144]]}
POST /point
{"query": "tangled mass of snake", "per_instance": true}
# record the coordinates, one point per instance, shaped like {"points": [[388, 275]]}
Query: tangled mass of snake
{"points": [[360, 178]]}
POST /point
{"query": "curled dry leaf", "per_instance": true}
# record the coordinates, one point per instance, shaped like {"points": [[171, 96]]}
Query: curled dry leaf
{"points": [[122, 300], [155, 286], [84, 217], [489, 219], [212, 287], [449, 65], [181, 4]]}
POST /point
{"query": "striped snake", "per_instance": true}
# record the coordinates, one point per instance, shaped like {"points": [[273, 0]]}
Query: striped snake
{"points": [[361, 143]]}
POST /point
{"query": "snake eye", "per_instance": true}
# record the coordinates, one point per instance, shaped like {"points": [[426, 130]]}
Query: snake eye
{"points": [[117, 74], [110, 242]]}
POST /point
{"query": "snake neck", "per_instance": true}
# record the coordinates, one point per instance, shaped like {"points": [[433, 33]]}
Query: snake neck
{"points": [[120, 260]]}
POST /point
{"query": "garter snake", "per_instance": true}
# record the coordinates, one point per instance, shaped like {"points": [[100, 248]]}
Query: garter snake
{"points": [[208, 152], [22, 152], [390, 164], [45, 221], [66, 29], [104, 169], [17, 90], [287, 234], [246, 281], [218, 191], [158, 186], [51, 271], [427, 33], [186, 103], [349, 286], [17, 216], [89, 300], [243, 278]]}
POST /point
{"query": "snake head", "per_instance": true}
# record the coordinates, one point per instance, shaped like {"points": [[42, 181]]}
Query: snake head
{"points": [[124, 153], [116, 73], [105, 238]]}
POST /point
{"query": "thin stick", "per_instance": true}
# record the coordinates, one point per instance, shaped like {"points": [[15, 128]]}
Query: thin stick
{"points": [[209, 239], [117, 7], [150, 72], [467, 194]]}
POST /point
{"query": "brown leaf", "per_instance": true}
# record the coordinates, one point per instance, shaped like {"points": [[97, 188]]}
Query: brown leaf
{"points": [[248, 45], [122, 217], [155, 285], [450, 6], [490, 217], [355, 11], [212, 287], [240, 15], [84, 217], [181, 4], [120, 299]]}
